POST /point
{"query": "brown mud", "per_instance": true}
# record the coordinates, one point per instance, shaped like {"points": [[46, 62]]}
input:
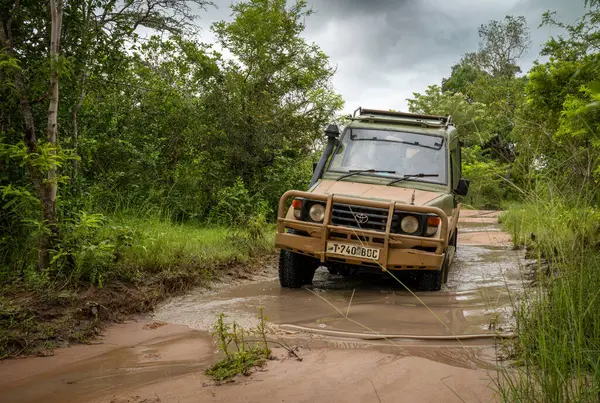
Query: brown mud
{"points": [[34, 323], [163, 357]]}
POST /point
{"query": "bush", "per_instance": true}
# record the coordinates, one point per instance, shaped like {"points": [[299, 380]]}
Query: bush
{"points": [[235, 207], [488, 187]]}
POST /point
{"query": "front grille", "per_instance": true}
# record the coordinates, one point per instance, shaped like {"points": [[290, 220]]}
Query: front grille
{"points": [[345, 215]]}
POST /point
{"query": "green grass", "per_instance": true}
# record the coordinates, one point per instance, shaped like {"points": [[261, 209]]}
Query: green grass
{"points": [[244, 349], [110, 267], [131, 249], [557, 353], [157, 245]]}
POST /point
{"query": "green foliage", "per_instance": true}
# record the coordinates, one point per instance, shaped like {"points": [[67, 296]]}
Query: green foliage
{"points": [[463, 77], [503, 43], [488, 188], [557, 131], [162, 127], [150, 245], [235, 206], [243, 349], [558, 220], [472, 119], [484, 96]]}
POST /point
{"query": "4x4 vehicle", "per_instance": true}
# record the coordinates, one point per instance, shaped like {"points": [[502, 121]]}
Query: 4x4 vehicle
{"points": [[383, 197]]}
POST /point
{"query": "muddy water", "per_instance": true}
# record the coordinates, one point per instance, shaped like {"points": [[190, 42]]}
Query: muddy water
{"points": [[130, 355], [477, 298]]}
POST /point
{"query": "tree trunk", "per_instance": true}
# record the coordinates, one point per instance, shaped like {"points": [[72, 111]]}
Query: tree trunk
{"points": [[51, 186], [29, 136]]}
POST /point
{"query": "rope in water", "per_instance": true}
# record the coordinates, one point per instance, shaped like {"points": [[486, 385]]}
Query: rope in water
{"points": [[375, 336]]}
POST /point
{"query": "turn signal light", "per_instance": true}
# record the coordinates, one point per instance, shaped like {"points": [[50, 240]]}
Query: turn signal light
{"points": [[297, 205], [433, 221]]}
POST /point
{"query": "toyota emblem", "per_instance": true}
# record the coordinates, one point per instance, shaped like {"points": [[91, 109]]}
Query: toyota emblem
{"points": [[361, 218]]}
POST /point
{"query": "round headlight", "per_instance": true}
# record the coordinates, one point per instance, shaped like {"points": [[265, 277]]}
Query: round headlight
{"points": [[409, 224], [317, 212]]}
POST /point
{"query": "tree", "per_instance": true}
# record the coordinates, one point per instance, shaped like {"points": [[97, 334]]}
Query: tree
{"points": [[49, 197], [100, 29], [42, 53], [558, 122], [502, 45], [277, 94], [472, 119], [463, 78], [45, 181], [489, 77]]}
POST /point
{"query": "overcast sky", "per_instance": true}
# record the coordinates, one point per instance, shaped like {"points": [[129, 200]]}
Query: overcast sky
{"points": [[385, 50]]}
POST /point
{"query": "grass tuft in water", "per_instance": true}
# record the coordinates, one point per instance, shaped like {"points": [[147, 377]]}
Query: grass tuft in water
{"points": [[243, 349]]}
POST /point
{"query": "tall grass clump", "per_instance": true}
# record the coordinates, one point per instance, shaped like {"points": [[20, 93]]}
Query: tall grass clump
{"points": [[149, 245], [557, 352], [244, 349]]}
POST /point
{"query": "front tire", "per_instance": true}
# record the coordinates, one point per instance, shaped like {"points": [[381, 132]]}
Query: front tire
{"points": [[446, 268], [295, 270], [454, 239], [431, 280], [282, 277]]}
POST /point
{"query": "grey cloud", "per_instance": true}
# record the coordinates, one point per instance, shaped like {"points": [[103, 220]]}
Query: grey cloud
{"points": [[341, 9], [387, 49]]}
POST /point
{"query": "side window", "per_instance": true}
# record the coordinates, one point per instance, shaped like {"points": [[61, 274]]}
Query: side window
{"points": [[455, 164], [452, 171]]}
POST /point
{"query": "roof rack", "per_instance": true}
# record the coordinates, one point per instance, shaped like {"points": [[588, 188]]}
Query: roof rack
{"points": [[415, 118]]}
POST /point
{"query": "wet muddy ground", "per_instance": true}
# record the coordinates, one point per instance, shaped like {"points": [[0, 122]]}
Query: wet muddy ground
{"points": [[162, 358]]}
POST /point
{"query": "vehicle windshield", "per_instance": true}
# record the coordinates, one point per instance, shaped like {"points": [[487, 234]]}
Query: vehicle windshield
{"points": [[386, 150]]}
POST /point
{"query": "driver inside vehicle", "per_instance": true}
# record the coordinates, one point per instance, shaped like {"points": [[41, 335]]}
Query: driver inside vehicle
{"points": [[401, 152], [385, 156]]}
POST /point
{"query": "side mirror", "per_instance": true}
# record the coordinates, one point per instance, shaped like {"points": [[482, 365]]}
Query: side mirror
{"points": [[332, 131], [315, 166], [462, 189]]}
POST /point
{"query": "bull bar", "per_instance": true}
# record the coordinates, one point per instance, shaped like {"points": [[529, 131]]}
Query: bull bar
{"points": [[397, 250]]}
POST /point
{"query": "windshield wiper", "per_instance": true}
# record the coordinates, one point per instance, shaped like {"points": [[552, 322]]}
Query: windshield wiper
{"points": [[435, 146], [405, 177], [361, 171]]}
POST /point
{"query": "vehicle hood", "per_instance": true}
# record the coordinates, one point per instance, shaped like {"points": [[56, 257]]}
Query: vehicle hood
{"points": [[373, 191]]}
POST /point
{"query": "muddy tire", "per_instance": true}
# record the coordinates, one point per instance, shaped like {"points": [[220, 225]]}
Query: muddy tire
{"points": [[454, 239], [431, 280], [295, 270], [282, 278], [445, 269]]}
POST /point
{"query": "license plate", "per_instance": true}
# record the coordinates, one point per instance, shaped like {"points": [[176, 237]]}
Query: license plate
{"points": [[353, 250]]}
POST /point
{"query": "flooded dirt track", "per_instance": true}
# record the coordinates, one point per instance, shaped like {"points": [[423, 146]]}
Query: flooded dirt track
{"points": [[476, 299], [162, 358]]}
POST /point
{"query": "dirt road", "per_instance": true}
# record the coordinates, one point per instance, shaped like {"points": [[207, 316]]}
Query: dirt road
{"points": [[162, 358]]}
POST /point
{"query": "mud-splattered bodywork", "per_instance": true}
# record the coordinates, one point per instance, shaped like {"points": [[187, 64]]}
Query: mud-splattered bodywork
{"points": [[363, 212]]}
